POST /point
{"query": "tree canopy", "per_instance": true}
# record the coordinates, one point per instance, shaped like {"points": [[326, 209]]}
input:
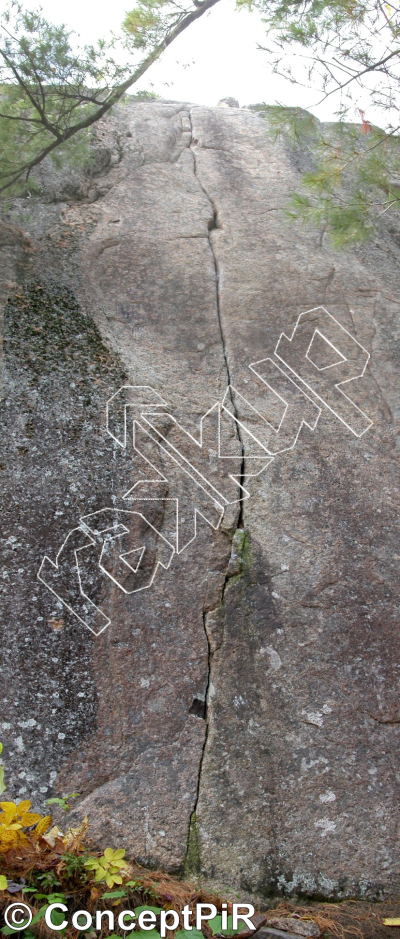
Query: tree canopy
{"points": [[350, 50], [51, 93]]}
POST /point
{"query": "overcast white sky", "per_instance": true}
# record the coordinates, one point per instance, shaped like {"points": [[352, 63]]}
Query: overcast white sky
{"points": [[214, 58]]}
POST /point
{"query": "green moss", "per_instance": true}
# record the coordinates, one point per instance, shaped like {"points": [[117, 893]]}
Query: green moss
{"points": [[49, 336], [241, 555], [192, 863], [245, 550]]}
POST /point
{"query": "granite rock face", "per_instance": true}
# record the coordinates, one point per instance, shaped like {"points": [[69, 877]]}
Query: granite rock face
{"points": [[239, 716]]}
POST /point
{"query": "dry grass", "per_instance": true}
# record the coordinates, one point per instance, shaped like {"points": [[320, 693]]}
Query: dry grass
{"points": [[347, 920]]}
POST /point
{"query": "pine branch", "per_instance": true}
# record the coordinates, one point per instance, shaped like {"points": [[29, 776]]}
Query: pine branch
{"points": [[112, 99]]}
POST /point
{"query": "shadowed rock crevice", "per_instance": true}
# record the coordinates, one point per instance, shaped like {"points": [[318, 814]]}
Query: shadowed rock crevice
{"points": [[213, 225]]}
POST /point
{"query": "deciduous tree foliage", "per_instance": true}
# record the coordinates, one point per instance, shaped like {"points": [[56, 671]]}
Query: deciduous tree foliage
{"points": [[52, 93]]}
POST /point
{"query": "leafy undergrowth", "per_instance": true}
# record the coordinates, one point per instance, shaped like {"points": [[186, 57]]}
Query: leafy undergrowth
{"points": [[40, 865]]}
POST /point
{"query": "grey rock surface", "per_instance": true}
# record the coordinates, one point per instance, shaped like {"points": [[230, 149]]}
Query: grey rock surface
{"points": [[240, 718], [228, 103], [298, 927]]}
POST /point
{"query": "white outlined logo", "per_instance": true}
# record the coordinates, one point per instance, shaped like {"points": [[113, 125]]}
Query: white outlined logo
{"points": [[18, 916], [192, 476]]}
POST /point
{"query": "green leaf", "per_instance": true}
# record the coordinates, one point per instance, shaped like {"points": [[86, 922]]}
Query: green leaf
{"points": [[216, 926], [109, 854], [3, 882], [144, 934], [27, 934], [39, 915], [113, 894], [3, 786], [57, 916], [51, 897], [189, 934], [62, 802], [153, 909], [118, 854]]}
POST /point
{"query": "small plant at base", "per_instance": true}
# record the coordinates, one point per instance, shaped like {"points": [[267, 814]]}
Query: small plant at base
{"points": [[73, 867], [121, 894], [48, 880], [62, 802], [110, 867]]}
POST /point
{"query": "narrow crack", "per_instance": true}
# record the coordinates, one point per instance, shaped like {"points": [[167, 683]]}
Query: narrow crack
{"points": [[214, 223], [193, 838], [386, 721], [193, 845]]}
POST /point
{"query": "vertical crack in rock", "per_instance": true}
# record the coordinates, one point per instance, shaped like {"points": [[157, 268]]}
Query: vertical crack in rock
{"points": [[192, 860], [214, 223], [192, 857]]}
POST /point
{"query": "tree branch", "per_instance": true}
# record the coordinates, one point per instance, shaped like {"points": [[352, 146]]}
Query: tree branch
{"points": [[112, 99], [375, 67], [31, 97]]}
